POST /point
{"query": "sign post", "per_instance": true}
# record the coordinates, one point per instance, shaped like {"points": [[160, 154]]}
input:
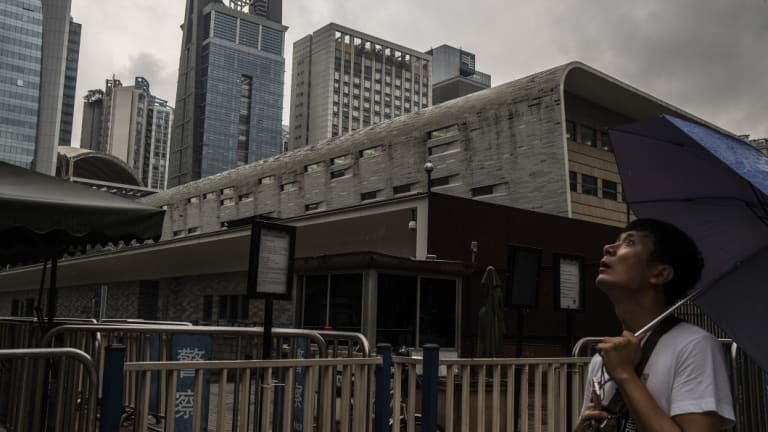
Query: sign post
{"points": [[270, 270], [270, 276]]}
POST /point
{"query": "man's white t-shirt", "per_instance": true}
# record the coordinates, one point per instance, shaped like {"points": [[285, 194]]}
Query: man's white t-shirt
{"points": [[686, 373]]}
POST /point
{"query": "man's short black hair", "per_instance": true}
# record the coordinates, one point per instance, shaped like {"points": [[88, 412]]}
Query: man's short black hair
{"points": [[673, 247]]}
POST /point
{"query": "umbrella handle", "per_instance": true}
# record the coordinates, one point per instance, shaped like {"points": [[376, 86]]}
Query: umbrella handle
{"points": [[667, 313]]}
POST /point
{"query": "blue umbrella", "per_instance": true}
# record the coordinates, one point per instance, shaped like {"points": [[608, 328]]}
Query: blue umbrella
{"points": [[714, 187]]}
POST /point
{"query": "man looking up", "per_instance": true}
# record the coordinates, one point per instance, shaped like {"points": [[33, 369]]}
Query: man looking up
{"points": [[684, 384]]}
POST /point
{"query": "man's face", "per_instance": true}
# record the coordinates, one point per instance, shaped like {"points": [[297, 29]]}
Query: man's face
{"points": [[627, 263]]}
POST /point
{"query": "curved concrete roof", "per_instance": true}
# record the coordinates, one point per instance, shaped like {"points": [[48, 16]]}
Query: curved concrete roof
{"points": [[574, 77], [93, 165]]}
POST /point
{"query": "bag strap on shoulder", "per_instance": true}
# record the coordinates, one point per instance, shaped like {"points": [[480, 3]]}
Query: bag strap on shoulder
{"points": [[616, 404]]}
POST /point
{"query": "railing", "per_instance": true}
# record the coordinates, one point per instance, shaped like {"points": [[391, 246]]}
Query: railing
{"points": [[490, 394], [284, 395], [68, 410], [145, 341]]}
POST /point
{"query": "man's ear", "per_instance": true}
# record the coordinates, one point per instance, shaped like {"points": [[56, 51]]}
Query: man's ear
{"points": [[662, 274]]}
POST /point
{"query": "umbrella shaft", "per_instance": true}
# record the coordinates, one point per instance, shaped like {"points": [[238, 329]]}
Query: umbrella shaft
{"points": [[667, 313]]}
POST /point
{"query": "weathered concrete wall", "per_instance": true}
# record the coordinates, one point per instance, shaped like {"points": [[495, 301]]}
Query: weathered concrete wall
{"points": [[508, 136]]}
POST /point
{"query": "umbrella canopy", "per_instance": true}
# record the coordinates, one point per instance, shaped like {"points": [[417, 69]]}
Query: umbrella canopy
{"points": [[491, 326], [44, 217], [714, 187]]}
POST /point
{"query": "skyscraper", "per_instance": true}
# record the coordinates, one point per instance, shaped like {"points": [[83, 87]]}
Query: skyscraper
{"points": [[33, 42], [345, 80], [230, 89], [56, 21], [454, 74], [70, 81]]}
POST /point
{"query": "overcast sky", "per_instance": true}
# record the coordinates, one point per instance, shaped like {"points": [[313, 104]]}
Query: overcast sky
{"points": [[709, 57]]}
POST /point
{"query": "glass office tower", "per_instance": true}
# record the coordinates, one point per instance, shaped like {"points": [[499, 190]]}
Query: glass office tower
{"points": [[21, 41], [229, 98]]}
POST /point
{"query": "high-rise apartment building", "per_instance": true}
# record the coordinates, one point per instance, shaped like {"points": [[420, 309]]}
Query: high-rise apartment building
{"points": [[454, 74], [157, 143], [33, 43], [229, 96], [70, 82], [344, 80], [126, 126], [92, 126], [131, 124]]}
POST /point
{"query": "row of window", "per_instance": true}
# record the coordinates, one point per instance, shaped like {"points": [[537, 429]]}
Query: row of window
{"points": [[591, 185], [587, 135]]}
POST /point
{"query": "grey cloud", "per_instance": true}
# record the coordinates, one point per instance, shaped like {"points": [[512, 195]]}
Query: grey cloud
{"points": [[706, 56]]}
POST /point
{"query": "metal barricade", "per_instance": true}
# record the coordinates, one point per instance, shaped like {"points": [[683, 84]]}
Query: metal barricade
{"points": [[307, 390], [73, 405], [345, 344]]}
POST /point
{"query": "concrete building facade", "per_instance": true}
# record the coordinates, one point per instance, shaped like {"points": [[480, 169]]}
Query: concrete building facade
{"points": [[70, 83], [56, 20], [537, 143], [229, 94], [91, 127], [157, 144], [127, 125], [454, 74], [345, 80]]}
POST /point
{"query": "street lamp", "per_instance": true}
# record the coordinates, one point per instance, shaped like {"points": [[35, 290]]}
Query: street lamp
{"points": [[428, 168]]}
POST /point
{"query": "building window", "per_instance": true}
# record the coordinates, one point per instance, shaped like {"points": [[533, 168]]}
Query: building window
{"points": [[443, 132], [367, 196], [193, 230], [207, 308], [193, 200], [338, 174], [339, 160], [178, 233], [402, 189], [334, 301], [267, 180], [440, 181], [610, 190], [605, 141], [588, 185], [371, 151], [287, 187], [483, 190], [570, 130], [588, 136], [312, 206], [313, 167], [227, 201], [244, 123], [233, 308], [210, 195], [245, 197], [573, 179], [442, 148], [228, 191], [409, 300]]}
